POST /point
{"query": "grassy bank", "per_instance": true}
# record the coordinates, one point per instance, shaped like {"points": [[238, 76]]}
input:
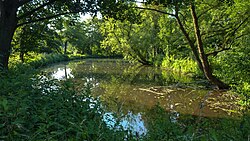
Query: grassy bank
{"points": [[32, 107], [170, 126], [234, 72], [35, 108]]}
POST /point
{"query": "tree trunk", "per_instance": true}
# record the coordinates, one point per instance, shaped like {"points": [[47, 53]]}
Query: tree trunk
{"points": [[8, 23], [21, 55], [190, 42], [204, 61], [65, 47]]}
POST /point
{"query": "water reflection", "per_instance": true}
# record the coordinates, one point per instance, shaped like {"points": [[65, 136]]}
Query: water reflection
{"points": [[129, 90], [60, 72], [130, 121]]}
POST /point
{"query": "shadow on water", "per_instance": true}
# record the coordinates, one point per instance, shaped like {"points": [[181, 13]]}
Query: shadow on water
{"points": [[129, 92]]}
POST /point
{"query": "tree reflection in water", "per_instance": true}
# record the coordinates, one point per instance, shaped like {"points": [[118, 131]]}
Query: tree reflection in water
{"points": [[130, 90]]}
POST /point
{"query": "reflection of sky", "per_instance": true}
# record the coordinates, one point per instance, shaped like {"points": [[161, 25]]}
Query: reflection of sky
{"points": [[130, 121], [61, 72]]}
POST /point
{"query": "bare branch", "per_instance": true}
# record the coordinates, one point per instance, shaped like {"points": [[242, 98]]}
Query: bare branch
{"points": [[46, 18]]}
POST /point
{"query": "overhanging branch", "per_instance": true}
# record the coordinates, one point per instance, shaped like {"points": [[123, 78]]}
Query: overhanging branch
{"points": [[241, 36], [214, 53], [208, 9], [23, 2], [46, 18], [156, 10], [36, 9], [238, 27]]}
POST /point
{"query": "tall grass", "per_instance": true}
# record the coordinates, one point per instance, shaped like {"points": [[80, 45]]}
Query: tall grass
{"points": [[45, 59], [33, 107], [164, 126], [38, 109], [35, 60], [185, 65]]}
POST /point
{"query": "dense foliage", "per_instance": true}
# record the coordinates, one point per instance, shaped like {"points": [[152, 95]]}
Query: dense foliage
{"points": [[214, 34], [48, 110], [18, 13], [203, 39], [85, 37], [151, 32]]}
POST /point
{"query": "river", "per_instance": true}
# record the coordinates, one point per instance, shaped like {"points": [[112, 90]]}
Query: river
{"points": [[129, 90]]}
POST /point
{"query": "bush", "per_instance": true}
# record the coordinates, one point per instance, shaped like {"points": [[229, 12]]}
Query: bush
{"points": [[233, 68], [45, 59]]}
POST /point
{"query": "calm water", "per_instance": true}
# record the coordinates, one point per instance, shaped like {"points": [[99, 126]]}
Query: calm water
{"points": [[129, 90]]}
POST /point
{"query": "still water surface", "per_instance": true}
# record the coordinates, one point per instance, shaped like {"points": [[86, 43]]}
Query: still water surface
{"points": [[129, 90]]}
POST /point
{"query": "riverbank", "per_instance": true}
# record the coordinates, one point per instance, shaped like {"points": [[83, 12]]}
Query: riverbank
{"points": [[35, 108]]}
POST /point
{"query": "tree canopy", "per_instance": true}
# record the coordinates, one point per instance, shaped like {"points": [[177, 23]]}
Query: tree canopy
{"points": [[208, 28], [16, 13], [147, 32]]}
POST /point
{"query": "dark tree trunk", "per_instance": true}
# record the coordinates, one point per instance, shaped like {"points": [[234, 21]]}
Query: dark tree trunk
{"points": [[65, 47], [21, 56], [65, 72], [8, 23], [140, 57], [204, 61]]}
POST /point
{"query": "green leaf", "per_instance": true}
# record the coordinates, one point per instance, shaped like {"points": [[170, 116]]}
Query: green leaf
{"points": [[4, 104]]}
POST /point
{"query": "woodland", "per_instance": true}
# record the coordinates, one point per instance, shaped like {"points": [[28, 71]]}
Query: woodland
{"points": [[208, 40]]}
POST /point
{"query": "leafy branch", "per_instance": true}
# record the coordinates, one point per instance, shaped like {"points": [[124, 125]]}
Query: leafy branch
{"points": [[35, 10], [46, 18]]}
